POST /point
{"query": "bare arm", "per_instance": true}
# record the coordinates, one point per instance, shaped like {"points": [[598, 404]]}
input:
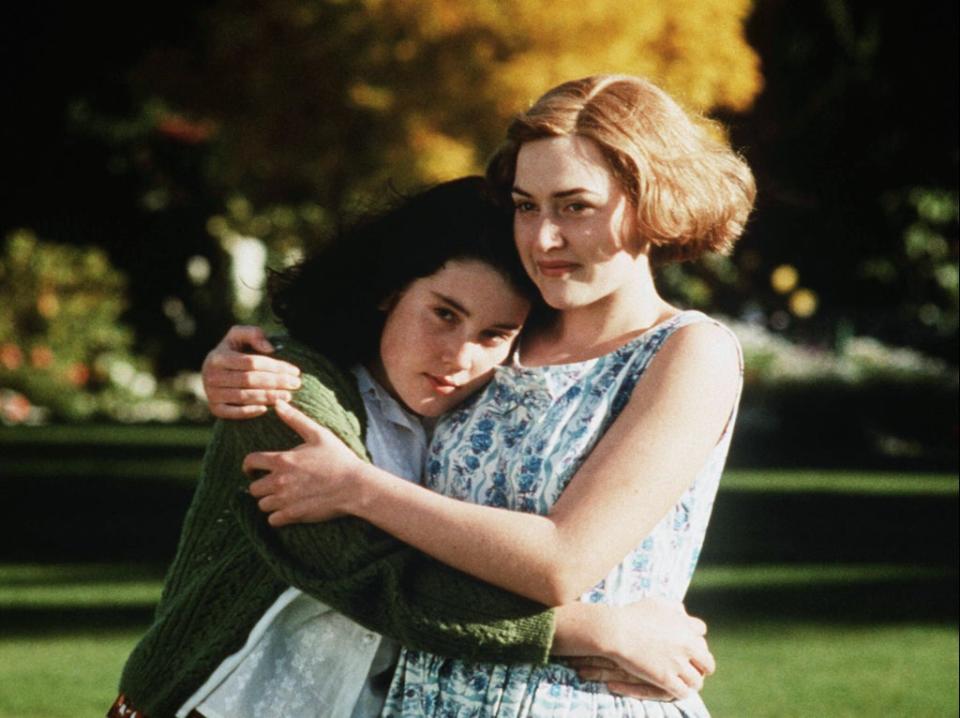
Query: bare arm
{"points": [[639, 469]]}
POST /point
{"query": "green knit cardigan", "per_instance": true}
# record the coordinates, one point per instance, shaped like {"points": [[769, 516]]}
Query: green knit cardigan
{"points": [[230, 566]]}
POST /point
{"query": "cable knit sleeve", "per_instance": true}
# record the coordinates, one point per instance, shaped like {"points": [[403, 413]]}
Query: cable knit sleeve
{"points": [[365, 573]]}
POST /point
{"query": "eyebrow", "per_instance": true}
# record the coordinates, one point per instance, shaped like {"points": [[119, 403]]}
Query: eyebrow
{"points": [[452, 302], [559, 195], [463, 310]]}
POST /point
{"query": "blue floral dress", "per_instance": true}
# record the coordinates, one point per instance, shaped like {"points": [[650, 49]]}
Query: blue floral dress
{"points": [[517, 445]]}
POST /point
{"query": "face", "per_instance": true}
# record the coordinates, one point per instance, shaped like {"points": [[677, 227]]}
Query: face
{"points": [[445, 334], [571, 220]]}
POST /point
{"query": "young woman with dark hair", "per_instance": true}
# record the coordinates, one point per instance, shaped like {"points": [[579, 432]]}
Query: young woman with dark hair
{"points": [[403, 315]]}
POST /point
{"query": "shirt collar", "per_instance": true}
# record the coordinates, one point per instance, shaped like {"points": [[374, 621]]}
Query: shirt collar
{"points": [[391, 409]]}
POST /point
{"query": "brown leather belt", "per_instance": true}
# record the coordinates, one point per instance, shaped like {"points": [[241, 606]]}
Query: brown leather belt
{"points": [[122, 708]]}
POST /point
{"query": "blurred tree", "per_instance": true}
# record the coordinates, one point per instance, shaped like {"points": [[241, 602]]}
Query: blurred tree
{"points": [[854, 142], [325, 101], [59, 328], [245, 119], [84, 165]]}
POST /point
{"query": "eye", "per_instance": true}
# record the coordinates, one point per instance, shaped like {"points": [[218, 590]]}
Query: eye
{"points": [[445, 314], [578, 207], [522, 206]]}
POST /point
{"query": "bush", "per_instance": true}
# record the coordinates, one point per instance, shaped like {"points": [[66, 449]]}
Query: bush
{"points": [[64, 352], [869, 405]]}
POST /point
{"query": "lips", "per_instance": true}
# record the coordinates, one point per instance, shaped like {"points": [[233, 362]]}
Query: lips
{"points": [[441, 385], [554, 268]]}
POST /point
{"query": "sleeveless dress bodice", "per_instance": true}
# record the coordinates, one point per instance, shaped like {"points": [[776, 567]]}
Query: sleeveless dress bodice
{"points": [[516, 446]]}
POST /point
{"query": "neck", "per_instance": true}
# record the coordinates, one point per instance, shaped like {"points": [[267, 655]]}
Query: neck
{"points": [[595, 329]]}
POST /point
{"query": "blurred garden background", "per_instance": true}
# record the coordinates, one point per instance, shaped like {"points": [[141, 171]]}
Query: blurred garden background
{"points": [[158, 157]]}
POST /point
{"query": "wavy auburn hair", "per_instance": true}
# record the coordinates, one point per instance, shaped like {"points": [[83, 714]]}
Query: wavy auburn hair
{"points": [[692, 193]]}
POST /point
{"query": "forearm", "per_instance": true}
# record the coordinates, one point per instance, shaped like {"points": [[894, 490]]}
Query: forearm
{"points": [[585, 629], [524, 553]]}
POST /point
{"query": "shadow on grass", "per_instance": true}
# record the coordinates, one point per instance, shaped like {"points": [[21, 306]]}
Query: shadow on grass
{"points": [[52, 575], [812, 527], [115, 519], [124, 519], [61, 620], [926, 600]]}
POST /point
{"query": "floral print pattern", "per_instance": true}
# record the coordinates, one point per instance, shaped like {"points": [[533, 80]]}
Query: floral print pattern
{"points": [[516, 446]]}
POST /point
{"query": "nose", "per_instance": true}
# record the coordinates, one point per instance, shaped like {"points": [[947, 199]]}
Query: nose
{"points": [[457, 354], [548, 234]]}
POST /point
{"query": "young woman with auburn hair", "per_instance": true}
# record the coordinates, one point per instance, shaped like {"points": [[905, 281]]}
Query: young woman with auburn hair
{"points": [[587, 469]]}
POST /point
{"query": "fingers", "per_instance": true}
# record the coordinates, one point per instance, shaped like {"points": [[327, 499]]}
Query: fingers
{"points": [[261, 461], [639, 690], [692, 677], [579, 662], [226, 368], [307, 428], [242, 337], [673, 686], [228, 411], [605, 675], [280, 518], [242, 397], [697, 626], [704, 662]]}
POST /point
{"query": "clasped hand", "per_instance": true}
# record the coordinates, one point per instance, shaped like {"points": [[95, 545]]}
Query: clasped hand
{"points": [[315, 481]]}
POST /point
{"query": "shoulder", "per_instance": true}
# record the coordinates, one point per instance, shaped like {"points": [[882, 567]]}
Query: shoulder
{"points": [[328, 395], [322, 380], [700, 351], [704, 340]]}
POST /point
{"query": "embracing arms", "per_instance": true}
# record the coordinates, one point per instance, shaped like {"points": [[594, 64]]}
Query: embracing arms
{"points": [[652, 638], [361, 571], [637, 471]]}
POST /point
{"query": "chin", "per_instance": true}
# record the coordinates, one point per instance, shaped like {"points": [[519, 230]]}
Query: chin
{"points": [[563, 300], [430, 408]]}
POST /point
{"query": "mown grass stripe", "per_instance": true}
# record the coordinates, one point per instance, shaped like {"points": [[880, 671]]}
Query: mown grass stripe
{"points": [[107, 435], [840, 482], [810, 575], [98, 585], [100, 467]]}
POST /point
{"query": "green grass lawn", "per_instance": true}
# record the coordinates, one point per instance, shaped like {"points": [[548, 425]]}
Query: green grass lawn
{"points": [[768, 669], [779, 669], [78, 622], [841, 632]]}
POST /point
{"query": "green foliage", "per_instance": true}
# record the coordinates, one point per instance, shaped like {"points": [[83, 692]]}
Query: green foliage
{"points": [[323, 104], [930, 246], [60, 334], [64, 351], [771, 359]]}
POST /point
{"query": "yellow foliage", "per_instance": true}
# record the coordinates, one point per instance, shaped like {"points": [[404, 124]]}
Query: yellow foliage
{"points": [[414, 91], [695, 49], [438, 157]]}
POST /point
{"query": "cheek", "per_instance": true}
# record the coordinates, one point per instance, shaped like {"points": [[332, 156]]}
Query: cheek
{"points": [[489, 360], [399, 335], [521, 235]]}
